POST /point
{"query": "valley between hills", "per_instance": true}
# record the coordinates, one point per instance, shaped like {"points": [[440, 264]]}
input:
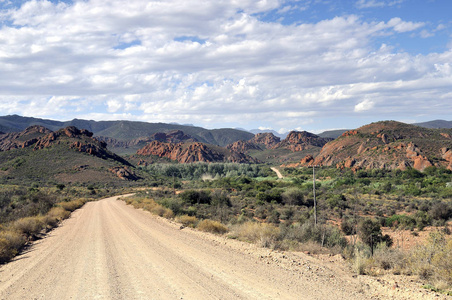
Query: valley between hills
{"points": [[234, 215]]}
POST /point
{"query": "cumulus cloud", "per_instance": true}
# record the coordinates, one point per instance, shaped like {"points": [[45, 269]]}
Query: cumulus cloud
{"points": [[207, 63], [364, 105], [376, 3]]}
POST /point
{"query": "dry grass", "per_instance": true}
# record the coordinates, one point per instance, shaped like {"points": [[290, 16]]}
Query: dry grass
{"points": [[186, 220], [29, 226], [264, 234], [212, 226], [17, 233], [151, 206], [10, 244], [72, 205]]}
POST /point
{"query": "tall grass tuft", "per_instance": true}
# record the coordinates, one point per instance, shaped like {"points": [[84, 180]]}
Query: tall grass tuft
{"points": [[212, 226]]}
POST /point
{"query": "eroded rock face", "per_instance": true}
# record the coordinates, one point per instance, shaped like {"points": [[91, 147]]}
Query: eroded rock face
{"points": [[299, 141], [193, 152], [175, 136], [388, 145], [22, 139], [124, 173], [243, 146], [268, 139]]}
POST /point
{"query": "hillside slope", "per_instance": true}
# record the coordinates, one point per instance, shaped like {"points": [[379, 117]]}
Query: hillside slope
{"points": [[66, 155], [193, 152], [387, 145], [127, 130]]}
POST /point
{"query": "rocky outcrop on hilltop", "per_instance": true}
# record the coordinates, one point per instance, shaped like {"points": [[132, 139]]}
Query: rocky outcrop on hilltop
{"points": [[299, 141], [193, 152], [243, 146], [22, 139], [268, 139], [387, 145], [174, 136]]}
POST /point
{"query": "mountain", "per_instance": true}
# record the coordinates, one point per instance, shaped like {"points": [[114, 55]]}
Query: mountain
{"points": [[123, 131], [131, 146], [269, 148], [387, 145], [298, 141], [65, 155], [435, 124], [192, 152], [333, 134], [275, 133]]}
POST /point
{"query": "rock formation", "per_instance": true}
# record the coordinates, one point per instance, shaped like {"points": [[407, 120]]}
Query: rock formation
{"points": [[193, 152]]}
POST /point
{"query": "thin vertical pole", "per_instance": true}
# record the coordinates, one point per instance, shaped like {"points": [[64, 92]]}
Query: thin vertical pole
{"points": [[313, 190]]}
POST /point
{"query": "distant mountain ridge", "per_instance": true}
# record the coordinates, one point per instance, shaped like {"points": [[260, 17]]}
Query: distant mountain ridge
{"points": [[435, 124], [127, 130]]}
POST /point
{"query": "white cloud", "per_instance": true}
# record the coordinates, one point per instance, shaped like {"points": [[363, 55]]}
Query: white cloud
{"points": [[110, 59], [361, 4], [400, 26], [364, 105]]}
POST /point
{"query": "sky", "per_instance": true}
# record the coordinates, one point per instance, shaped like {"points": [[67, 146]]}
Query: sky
{"points": [[311, 65]]}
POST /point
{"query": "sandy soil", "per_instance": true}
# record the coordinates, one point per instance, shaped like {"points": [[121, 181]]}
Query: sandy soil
{"points": [[108, 250]]}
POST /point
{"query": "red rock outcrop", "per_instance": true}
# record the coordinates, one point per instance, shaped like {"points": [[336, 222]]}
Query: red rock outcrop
{"points": [[124, 173], [388, 145], [268, 139], [299, 141], [22, 139], [193, 152], [243, 146]]}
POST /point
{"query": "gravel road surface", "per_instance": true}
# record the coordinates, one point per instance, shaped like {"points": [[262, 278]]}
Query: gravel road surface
{"points": [[108, 250]]}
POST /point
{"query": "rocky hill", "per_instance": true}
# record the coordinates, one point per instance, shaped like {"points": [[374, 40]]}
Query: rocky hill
{"points": [[387, 145], [299, 141], [128, 132], [193, 152], [131, 146], [69, 154]]}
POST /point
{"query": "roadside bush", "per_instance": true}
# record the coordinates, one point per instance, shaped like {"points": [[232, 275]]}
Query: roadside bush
{"points": [[29, 226], [433, 260], [264, 234], [369, 232], [387, 258], [10, 244], [186, 220], [72, 205], [212, 226]]}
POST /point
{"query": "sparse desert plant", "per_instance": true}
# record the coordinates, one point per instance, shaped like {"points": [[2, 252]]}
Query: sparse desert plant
{"points": [[29, 226], [433, 260], [10, 244], [187, 220], [264, 234], [72, 205], [212, 226]]}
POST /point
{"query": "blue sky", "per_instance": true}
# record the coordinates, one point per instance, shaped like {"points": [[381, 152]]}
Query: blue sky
{"points": [[310, 65]]}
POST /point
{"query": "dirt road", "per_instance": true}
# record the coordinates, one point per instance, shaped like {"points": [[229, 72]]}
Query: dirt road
{"points": [[108, 250], [277, 172]]}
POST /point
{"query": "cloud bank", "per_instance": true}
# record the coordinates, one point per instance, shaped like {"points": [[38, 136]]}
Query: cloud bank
{"points": [[214, 64]]}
